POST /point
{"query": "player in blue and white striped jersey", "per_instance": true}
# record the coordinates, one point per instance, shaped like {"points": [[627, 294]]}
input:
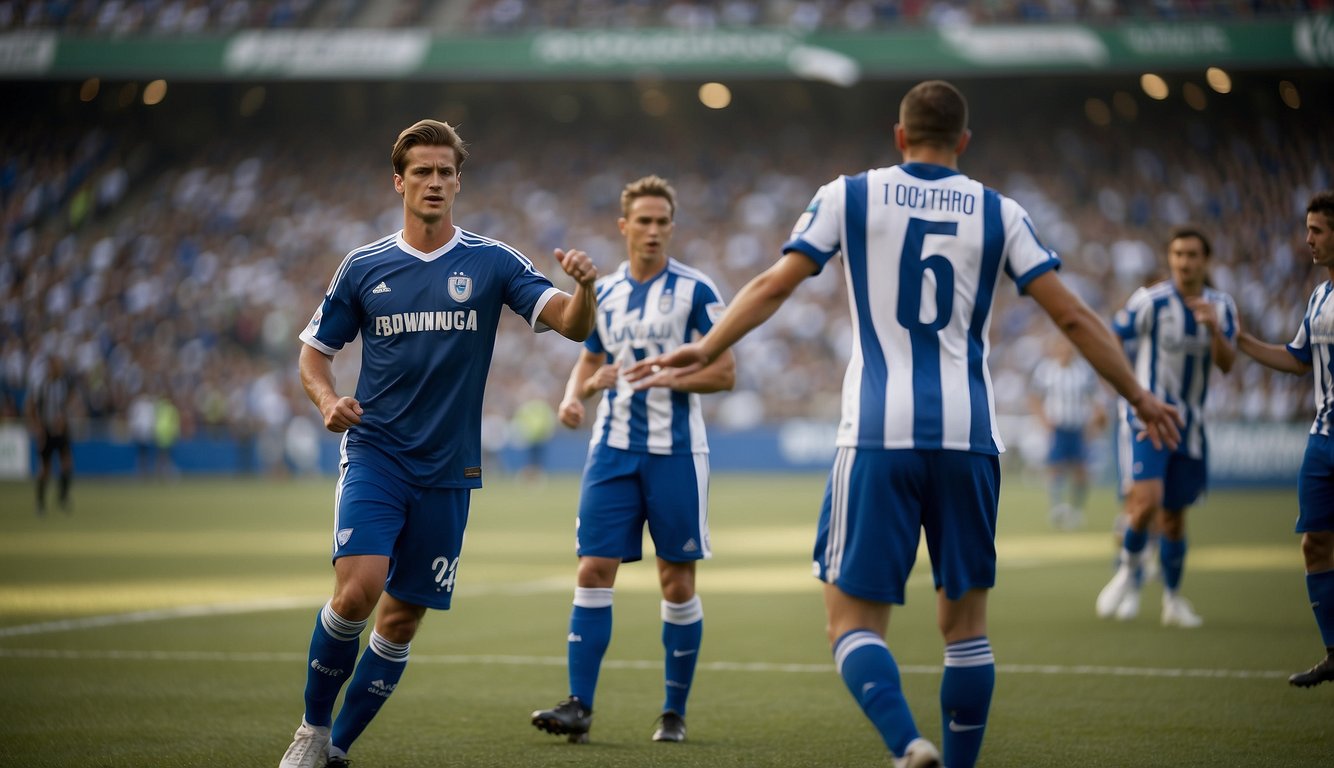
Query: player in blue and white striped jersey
{"points": [[1312, 349], [1068, 402], [1181, 329], [924, 248], [648, 458], [426, 302]]}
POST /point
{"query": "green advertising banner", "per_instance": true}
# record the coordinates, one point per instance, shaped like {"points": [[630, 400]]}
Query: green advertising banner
{"points": [[843, 58]]}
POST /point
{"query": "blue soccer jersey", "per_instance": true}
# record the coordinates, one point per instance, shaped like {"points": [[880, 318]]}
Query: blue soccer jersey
{"points": [[428, 327], [923, 248], [1172, 353], [1314, 345], [638, 320]]}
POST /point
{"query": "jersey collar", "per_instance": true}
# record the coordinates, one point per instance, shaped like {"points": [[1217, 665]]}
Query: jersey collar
{"points": [[433, 255], [928, 171]]}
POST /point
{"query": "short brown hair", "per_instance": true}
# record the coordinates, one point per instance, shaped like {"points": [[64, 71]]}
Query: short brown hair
{"points": [[1192, 231], [1323, 202], [649, 186], [934, 113], [427, 133]]}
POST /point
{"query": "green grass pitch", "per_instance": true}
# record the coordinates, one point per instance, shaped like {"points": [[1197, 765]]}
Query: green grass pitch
{"points": [[166, 625]]}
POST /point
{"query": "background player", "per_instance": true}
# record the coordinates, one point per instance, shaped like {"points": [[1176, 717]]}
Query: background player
{"points": [[1313, 349], [53, 399], [1181, 329], [1067, 400], [648, 458], [924, 248], [426, 302]]}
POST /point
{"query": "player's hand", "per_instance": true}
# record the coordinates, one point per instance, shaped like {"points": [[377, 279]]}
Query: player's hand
{"points": [[1162, 422], [570, 412], [660, 370], [343, 414], [604, 378], [577, 265], [1205, 312]]}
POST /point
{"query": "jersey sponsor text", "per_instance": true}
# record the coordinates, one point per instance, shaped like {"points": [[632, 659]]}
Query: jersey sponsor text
{"points": [[414, 322]]}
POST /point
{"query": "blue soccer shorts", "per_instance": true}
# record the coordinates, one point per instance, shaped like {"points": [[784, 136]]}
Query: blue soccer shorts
{"points": [[878, 503], [1184, 478], [419, 529], [623, 490], [1067, 446], [1315, 486]]}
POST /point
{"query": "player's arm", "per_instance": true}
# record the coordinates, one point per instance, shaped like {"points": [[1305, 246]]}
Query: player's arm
{"points": [[317, 378], [1274, 356], [589, 376], [754, 303], [573, 316], [1102, 349], [717, 376]]}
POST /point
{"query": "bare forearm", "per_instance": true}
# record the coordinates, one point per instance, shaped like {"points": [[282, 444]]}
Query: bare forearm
{"points": [[1103, 351], [1224, 353], [1274, 356], [717, 376], [580, 313], [317, 376], [756, 302]]}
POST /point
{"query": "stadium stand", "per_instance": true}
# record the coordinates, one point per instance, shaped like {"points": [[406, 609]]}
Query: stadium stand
{"points": [[195, 17], [179, 250]]}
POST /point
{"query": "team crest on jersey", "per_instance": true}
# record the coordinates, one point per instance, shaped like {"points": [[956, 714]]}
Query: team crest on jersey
{"points": [[343, 536], [460, 287], [665, 301]]}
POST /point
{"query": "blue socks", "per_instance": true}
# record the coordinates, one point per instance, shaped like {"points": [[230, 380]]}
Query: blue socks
{"points": [[965, 698], [590, 634], [1320, 588], [333, 652], [376, 677], [872, 677], [1172, 556], [682, 630]]}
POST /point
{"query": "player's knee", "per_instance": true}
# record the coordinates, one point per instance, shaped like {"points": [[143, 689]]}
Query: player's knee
{"points": [[1318, 551]]}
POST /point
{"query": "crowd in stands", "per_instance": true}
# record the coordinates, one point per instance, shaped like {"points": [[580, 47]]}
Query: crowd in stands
{"points": [[186, 272], [193, 17]]}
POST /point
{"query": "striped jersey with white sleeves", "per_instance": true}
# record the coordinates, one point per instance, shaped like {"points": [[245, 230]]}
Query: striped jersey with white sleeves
{"points": [[1172, 353], [637, 320], [1068, 392], [1314, 345], [924, 248]]}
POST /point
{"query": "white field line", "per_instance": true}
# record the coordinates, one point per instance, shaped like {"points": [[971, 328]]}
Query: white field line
{"points": [[214, 657]]}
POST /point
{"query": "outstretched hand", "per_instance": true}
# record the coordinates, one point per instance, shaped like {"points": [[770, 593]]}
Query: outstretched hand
{"points": [[1162, 422], [659, 369], [578, 265]]}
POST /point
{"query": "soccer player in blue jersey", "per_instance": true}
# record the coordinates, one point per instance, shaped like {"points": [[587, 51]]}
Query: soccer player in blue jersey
{"points": [[1068, 402], [1181, 329], [924, 248], [1313, 349], [426, 302], [648, 459]]}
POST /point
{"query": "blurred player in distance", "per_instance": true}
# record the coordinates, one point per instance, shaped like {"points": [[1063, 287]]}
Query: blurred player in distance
{"points": [[51, 402], [648, 459], [1066, 398], [924, 248], [426, 301], [1181, 329], [1313, 349]]}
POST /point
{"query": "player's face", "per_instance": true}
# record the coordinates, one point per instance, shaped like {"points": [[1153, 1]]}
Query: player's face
{"points": [[429, 182], [1189, 265], [1320, 239], [648, 229]]}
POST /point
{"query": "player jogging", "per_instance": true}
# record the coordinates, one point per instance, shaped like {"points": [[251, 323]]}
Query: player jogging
{"points": [[426, 302]]}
